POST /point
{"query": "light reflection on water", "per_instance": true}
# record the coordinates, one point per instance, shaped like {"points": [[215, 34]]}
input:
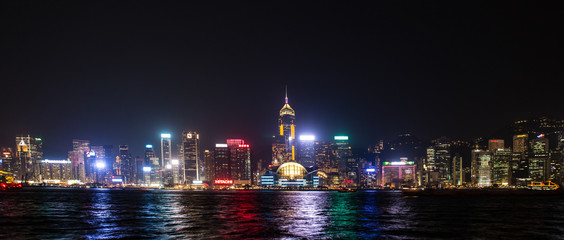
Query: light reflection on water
{"points": [[114, 214]]}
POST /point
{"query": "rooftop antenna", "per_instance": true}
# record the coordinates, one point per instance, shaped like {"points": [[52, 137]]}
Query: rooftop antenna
{"points": [[286, 94]]}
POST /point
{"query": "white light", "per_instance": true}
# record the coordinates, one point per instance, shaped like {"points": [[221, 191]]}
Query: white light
{"points": [[371, 170], [341, 138], [100, 165], [56, 161], [307, 137], [168, 166], [117, 180], [146, 169], [165, 135], [221, 145], [197, 182], [175, 162], [148, 146]]}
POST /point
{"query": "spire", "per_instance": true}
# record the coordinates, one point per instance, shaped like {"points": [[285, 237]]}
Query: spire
{"points": [[286, 94]]}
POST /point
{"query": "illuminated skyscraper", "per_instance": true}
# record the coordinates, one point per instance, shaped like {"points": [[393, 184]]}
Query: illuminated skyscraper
{"points": [[191, 156], [307, 150], [286, 134], [495, 144], [501, 166], [80, 150], [7, 161], [539, 159], [29, 154], [126, 164], [152, 171], [221, 162], [166, 157], [347, 164]]}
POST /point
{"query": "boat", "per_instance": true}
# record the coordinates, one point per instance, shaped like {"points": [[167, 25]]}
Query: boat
{"points": [[347, 189], [7, 182]]}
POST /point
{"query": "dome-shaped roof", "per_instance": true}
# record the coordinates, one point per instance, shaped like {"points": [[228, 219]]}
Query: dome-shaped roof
{"points": [[287, 110], [291, 170]]}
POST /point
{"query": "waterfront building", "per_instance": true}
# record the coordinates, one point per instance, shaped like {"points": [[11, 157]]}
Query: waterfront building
{"points": [[126, 165], [346, 163], [221, 164], [439, 161], [80, 150], [166, 158], [191, 157], [98, 165], [539, 159], [208, 166], [292, 174], [7, 160], [481, 168], [241, 165], [325, 157], [286, 134], [151, 169], [457, 171], [29, 154], [398, 173], [56, 171], [502, 158], [307, 150]]}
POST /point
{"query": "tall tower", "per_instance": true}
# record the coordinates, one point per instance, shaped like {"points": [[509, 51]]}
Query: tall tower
{"points": [[286, 134], [191, 148], [166, 156]]}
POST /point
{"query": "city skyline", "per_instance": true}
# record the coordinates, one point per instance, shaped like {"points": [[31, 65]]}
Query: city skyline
{"points": [[430, 69]]}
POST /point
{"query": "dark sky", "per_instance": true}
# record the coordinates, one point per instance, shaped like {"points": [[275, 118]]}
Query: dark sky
{"points": [[124, 71]]}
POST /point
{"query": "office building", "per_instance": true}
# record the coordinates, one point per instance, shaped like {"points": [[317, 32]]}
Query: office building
{"points": [[191, 157]]}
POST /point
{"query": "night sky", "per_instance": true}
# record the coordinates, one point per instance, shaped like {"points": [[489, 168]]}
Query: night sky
{"points": [[119, 72]]}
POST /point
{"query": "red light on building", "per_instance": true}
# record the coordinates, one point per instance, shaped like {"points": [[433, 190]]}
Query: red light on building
{"points": [[494, 140], [7, 153], [223, 181], [243, 145], [348, 181]]}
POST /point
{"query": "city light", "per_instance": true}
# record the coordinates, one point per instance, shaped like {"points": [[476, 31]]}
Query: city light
{"points": [[148, 146], [165, 135], [168, 166], [398, 163], [100, 165], [55, 161], [146, 169], [371, 170], [174, 162], [341, 137], [222, 145], [307, 137], [223, 181]]}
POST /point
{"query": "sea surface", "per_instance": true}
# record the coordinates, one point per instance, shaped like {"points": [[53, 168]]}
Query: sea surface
{"points": [[175, 214]]}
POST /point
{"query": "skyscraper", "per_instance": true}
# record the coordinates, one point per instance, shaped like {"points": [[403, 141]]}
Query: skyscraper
{"points": [[191, 152], [152, 166], [166, 156], [307, 150], [29, 155], [286, 134], [126, 164], [80, 149], [221, 162]]}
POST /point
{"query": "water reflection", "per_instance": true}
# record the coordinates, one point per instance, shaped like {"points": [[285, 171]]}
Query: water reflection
{"points": [[158, 214]]}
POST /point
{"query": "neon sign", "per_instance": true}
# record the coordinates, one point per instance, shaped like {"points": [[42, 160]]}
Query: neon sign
{"points": [[243, 145], [223, 181], [398, 163], [341, 137]]}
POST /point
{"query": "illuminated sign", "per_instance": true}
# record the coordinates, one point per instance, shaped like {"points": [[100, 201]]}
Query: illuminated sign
{"points": [[56, 161], [243, 145], [522, 136], [146, 169], [148, 146], [348, 181], [540, 136], [91, 154], [7, 153], [168, 166], [196, 182], [71, 182], [494, 141], [189, 135], [222, 145], [307, 138], [397, 163], [223, 181], [371, 170], [175, 162], [165, 135], [117, 180], [341, 137], [37, 139]]}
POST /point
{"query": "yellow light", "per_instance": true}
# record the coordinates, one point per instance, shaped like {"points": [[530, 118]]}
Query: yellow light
{"points": [[293, 151], [293, 129], [281, 130]]}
